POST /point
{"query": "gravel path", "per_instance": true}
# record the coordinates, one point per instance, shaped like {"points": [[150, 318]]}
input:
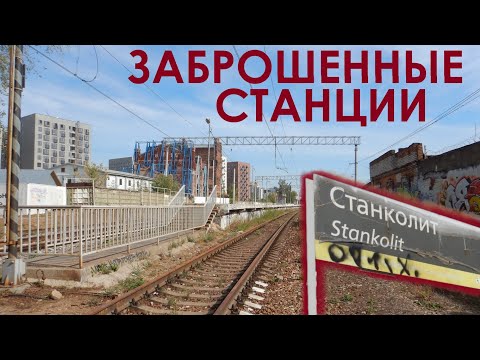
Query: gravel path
{"points": [[284, 293]]}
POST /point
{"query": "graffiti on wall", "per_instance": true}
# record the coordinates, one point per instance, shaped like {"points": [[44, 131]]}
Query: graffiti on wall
{"points": [[462, 194]]}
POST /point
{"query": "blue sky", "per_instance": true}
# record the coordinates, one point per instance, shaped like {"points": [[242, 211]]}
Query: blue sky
{"points": [[114, 131]]}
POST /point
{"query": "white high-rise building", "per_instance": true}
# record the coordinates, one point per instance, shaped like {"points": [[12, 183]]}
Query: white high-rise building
{"points": [[47, 141]]}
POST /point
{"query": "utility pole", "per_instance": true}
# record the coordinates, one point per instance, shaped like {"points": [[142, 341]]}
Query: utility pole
{"points": [[356, 162], [233, 186], [208, 157], [13, 268]]}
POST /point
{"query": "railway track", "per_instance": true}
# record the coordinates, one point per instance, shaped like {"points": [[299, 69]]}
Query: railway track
{"points": [[210, 283]]}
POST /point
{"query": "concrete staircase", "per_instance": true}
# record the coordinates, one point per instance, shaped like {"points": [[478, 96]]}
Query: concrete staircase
{"points": [[211, 217]]}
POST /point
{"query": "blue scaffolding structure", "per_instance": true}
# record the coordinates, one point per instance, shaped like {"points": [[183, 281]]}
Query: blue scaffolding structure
{"points": [[163, 158]]}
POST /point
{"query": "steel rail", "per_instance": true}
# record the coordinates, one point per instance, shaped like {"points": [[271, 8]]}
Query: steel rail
{"points": [[119, 304], [225, 306]]}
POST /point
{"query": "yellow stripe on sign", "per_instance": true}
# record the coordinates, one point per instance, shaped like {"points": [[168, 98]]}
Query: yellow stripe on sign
{"points": [[357, 257]]}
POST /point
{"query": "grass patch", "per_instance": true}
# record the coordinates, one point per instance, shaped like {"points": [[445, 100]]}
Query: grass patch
{"points": [[371, 307], [424, 298], [134, 280], [266, 216], [105, 268], [208, 237], [190, 239], [346, 298]]}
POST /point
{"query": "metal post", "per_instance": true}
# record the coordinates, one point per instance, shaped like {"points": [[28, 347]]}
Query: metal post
{"points": [[356, 162], [14, 268], [208, 158], [233, 202]]}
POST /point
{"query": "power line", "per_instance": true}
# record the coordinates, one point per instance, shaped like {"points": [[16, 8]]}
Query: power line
{"points": [[151, 90], [76, 65], [276, 101], [99, 91], [465, 101], [266, 123], [159, 96]]}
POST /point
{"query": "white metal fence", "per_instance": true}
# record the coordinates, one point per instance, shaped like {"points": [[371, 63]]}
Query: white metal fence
{"points": [[83, 230]]}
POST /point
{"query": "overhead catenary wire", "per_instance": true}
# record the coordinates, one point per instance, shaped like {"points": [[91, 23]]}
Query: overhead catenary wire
{"points": [[151, 90], [159, 96], [99, 91], [276, 101], [97, 68], [266, 123], [465, 101]]}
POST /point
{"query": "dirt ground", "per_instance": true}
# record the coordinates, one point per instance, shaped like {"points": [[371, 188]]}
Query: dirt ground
{"points": [[34, 298], [347, 293]]}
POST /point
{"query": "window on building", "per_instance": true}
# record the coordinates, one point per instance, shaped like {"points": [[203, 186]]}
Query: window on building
{"points": [[39, 136], [39, 121], [62, 161], [86, 144], [46, 159], [129, 182], [62, 170], [39, 164], [62, 126], [87, 131], [71, 161], [86, 158], [62, 140], [120, 181], [40, 129], [46, 145], [45, 166], [62, 134], [39, 143], [86, 137], [74, 128], [80, 130], [55, 126], [72, 148], [54, 132], [46, 124]]}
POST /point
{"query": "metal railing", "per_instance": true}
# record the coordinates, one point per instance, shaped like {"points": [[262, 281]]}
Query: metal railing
{"points": [[179, 198], [83, 230]]}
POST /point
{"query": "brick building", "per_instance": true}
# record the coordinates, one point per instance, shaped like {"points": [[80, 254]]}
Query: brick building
{"points": [[215, 166], [242, 179], [394, 170], [451, 179]]}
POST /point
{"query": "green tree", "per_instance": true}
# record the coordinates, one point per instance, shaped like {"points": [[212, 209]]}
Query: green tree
{"points": [[230, 193], [29, 61], [272, 197], [30, 65], [96, 173], [293, 197], [165, 182]]}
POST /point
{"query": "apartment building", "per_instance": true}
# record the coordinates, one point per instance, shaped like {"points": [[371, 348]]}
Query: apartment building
{"points": [[238, 173], [47, 141]]}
